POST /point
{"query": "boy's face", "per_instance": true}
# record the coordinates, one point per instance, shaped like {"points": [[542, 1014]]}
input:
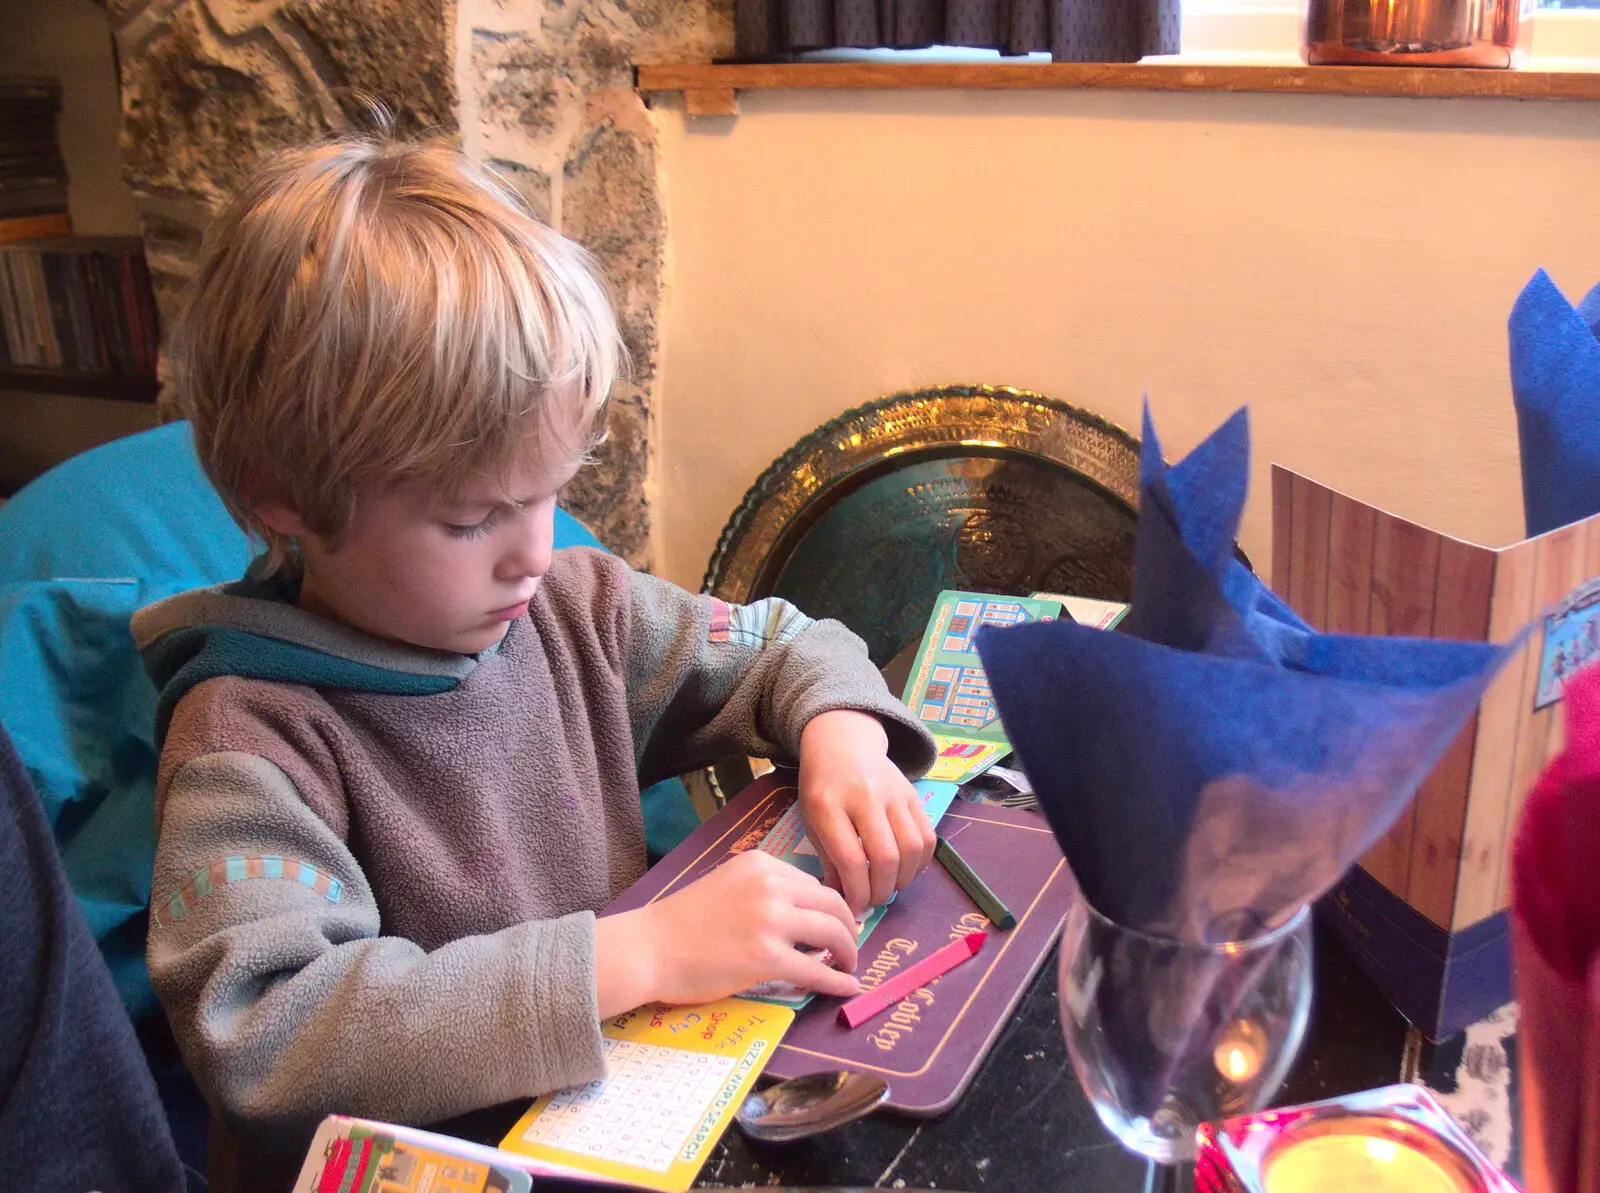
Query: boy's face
{"points": [[443, 575]]}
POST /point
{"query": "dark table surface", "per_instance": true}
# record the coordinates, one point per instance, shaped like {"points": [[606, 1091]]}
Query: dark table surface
{"points": [[1025, 1124]]}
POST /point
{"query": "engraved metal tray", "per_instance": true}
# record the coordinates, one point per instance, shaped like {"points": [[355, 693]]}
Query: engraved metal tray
{"points": [[976, 487]]}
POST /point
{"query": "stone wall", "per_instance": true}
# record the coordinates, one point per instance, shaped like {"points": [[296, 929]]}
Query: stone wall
{"points": [[547, 94], [541, 88], [209, 86]]}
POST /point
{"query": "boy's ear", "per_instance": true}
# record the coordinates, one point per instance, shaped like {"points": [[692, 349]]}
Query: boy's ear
{"points": [[282, 519]]}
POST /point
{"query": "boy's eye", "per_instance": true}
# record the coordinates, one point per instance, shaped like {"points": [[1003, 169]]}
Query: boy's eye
{"points": [[473, 530]]}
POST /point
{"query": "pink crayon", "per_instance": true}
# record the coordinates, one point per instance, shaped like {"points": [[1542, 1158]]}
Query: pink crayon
{"points": [[876, 1001]]}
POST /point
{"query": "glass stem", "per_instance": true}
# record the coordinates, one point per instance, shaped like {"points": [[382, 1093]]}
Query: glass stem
{"points": [[1169, 1178]]}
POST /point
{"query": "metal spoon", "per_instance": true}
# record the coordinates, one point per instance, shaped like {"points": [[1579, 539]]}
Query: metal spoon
{"points": [[809, 1105]]}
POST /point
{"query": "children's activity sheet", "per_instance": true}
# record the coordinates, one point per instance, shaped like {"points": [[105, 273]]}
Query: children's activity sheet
{"points": [[947, 690], [676, 1077], [787, 841]]}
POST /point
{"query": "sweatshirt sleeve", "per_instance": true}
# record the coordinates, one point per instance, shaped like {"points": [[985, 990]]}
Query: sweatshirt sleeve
{"points": [[288, 1003], [707, 680]]}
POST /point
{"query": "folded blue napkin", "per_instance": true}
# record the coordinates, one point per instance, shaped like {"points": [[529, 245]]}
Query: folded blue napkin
{"points": [[1218, 764], [1555, 385]]}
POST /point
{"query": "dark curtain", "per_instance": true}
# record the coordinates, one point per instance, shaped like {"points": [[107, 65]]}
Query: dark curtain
{"points": [[1071, 30]]}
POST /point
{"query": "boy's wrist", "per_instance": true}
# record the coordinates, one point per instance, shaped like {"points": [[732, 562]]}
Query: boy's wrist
{"points": [[626, 965], [843, 728]]}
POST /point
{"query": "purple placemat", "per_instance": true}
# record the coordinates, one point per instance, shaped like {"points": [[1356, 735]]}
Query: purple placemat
{"points": [[929, 1046]]}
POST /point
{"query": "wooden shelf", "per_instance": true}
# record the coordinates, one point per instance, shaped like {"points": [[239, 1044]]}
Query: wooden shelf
{"points": [[83, 385], [713, 89]]}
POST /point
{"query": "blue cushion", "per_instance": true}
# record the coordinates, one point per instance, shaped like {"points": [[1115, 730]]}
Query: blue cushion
{"points": [[138, 508], [79, 709], [81, 548]]}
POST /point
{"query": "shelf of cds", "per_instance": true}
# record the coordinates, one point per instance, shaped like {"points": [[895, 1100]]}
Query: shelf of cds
{"points": [[79, 316], [77, 313]]}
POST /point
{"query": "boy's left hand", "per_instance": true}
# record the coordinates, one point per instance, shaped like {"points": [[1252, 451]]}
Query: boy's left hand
{"points": [[862, 815]]}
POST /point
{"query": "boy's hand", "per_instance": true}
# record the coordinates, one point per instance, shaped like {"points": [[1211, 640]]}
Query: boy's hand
{"points": [[745, 922], [862, 815]]}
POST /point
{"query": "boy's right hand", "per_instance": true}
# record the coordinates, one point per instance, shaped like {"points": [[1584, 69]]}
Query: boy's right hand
{"points": [[748, 921]]}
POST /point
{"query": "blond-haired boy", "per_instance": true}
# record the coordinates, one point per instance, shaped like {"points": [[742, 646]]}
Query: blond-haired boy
{"points": [[401, 759]]}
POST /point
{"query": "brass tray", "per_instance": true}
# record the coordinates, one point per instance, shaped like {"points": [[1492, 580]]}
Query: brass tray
{"points": [[870, 516]]}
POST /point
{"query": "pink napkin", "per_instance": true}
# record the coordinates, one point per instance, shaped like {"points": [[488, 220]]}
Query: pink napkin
{"points": [[1555, 932]]}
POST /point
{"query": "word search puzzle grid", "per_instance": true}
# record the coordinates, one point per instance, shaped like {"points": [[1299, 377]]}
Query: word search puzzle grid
{"points": [[676, 1075], [643, 1113]]}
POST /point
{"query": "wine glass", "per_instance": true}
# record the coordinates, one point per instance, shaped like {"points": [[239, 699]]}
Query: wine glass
{"points": [[1166, 1034]]}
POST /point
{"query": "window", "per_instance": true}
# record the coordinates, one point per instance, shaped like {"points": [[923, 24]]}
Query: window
{"points": [[1566, 36]]}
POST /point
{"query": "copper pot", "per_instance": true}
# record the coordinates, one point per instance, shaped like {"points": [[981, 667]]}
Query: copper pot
{"points": [[1491, 33]]}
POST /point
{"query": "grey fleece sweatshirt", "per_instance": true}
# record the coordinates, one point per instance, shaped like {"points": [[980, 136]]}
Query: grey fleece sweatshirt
{"points": [[374, 890]]}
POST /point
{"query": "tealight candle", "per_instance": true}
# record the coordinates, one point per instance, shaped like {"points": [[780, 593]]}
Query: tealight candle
{"points": [[1337, 1163], [1397, 1139], [1240, 1051]]}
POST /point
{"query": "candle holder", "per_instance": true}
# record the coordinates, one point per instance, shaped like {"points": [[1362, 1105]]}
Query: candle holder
{"points": [[1397, 1139]]}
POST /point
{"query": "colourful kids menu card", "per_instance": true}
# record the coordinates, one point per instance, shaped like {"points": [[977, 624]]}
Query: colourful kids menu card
{"points": [[676, 1077], [354, 1155], [947, 689]]}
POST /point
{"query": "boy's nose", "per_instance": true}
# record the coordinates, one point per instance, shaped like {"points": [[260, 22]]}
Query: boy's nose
{"points": [[530, 557]]}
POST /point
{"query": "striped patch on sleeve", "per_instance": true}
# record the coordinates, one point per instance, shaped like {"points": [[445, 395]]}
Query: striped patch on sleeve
{"points": [[764, 623], [240, 869], [721, 613]]}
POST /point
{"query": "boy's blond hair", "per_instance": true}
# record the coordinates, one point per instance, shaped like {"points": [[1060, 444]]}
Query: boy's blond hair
{"points": [[368, 312]]}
